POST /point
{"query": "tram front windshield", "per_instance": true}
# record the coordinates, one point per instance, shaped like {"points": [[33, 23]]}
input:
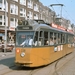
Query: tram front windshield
{"points": [[24, 38]]}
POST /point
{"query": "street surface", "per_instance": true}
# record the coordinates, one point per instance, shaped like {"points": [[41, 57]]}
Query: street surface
{"points": [[8, 67], [67, 69]]}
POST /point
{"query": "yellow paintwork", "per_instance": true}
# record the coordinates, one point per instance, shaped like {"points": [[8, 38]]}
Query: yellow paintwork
{"points": [[38, 56]]}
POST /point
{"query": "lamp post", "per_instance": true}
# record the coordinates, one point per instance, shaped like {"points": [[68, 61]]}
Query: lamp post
{"points": [[5, 44]]}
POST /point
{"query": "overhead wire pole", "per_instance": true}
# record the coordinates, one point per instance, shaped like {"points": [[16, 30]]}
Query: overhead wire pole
{"points": [[58, 5], [5, 44]]}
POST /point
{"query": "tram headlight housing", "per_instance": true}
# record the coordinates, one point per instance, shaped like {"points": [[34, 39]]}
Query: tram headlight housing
{"points": [[22, 54]]}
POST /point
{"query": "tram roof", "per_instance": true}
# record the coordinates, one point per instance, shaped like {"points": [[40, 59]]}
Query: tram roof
{"points": [[37, 25], [47, 27]]}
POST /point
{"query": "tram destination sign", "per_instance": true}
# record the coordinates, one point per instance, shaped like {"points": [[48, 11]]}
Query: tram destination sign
{"points": [[25, 28]]}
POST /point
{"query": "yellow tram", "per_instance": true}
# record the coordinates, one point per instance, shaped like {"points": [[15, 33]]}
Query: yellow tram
{"points": [[39, 44]]}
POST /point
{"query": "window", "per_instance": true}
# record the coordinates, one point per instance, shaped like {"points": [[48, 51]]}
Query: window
{"points": [[21, 14], [11, 10], [4, 23], [12, 19], [23, 2], [38, 39], [0, 17], [23, 38], [51, 39], [21, 9], [59, 38], [34, 14], [0, 23], [55, 38], [27, 16], [63, 38], [70, 39], [28, 0], [45, 37], [0, 1]]}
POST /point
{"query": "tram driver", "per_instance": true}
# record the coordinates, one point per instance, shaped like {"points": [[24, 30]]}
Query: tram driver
{"points": [[27, 42]]}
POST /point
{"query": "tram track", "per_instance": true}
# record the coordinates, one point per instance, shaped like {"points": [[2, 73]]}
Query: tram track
{"points": [[57, 62], [32, 71], [13, 68], [7, 70]]}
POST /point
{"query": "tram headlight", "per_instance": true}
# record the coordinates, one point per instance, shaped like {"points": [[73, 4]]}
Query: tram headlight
{"points": [[22, 54]]}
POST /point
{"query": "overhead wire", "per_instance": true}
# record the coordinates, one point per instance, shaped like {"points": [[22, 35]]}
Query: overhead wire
{"points": [[67, 13], [55, 11]]}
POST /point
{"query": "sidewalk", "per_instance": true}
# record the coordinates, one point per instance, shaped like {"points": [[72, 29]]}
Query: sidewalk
{"points": [[7, 53], [6, 60]]}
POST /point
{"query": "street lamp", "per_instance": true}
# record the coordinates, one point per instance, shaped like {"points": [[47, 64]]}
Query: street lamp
{"points": [[5, 44]]}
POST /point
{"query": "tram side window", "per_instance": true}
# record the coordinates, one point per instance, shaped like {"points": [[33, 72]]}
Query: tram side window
{"points": [[59, 38], [41, 39], [38, 39], [45, 37], [51, 39], [63, 38], [70, 39], [55, 38]]}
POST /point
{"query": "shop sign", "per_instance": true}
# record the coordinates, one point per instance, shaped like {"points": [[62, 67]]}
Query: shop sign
{"points": [[12, 28]]}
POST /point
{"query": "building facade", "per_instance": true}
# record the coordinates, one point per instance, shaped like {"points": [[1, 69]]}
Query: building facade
{"points": [[11, 11], [14, 10]]}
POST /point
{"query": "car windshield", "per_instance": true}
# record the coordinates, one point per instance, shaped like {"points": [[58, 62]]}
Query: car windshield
{"points": [[24, 38]]}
